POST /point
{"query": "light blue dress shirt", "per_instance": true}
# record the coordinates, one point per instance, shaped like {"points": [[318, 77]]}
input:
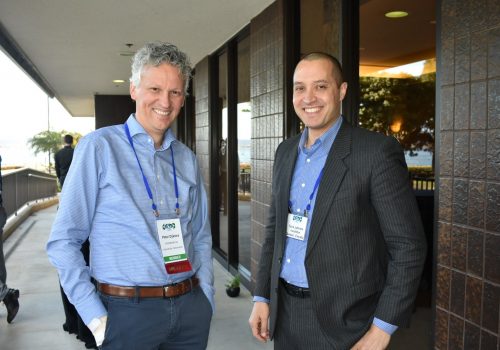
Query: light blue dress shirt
{"points": [[310, 162], [105, 199]]}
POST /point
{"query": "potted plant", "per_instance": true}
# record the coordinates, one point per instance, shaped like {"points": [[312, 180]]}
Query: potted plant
{"points": [[233, 286]]}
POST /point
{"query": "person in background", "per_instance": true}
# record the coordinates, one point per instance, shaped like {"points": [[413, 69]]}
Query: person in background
{"points": [[9, 296], [63, 159], [344, 247], [73, 323], [137, 194]]}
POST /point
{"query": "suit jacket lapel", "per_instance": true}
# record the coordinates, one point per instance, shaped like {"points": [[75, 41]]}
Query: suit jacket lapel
{"points": [[334, 173], [288, 166]]}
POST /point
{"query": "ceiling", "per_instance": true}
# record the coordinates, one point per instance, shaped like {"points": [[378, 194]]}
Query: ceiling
{"points": [[389, 42], [79, 47]]}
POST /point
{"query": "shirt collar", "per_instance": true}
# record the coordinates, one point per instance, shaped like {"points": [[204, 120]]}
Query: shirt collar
{"points": [[135, 128], [325, 141]]}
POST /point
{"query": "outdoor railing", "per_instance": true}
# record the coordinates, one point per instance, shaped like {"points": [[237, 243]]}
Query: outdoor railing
{"points": [[422, 183], [25, 185]]}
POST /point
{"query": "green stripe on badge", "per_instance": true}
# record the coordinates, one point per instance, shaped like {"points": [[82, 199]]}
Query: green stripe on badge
{"points": [[177, 257]]}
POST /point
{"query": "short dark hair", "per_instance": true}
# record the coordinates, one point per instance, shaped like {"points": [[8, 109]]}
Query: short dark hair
{"points": [[337, 67], [68, 139]]}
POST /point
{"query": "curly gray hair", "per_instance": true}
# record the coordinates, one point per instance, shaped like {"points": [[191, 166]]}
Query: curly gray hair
{"points": [[157, 53]]}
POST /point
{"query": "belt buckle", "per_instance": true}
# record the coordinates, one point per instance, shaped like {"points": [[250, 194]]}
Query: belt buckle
{"points": [[165, 290]]}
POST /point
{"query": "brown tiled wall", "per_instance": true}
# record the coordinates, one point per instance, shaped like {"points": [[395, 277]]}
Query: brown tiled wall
{"points": [[266, 93], [468, 256], [202, 120]]}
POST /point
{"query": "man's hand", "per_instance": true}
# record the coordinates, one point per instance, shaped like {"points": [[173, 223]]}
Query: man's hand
{"points": [[259, 321], [374, 339], [98, 327]]}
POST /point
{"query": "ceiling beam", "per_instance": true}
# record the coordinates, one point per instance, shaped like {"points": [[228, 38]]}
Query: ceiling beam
{"points": [[10, 47]]}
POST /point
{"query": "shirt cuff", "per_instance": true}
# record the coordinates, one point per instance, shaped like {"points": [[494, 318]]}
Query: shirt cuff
{"points": [[386, 327], [91, 308], [92, 326], [261, 299]]}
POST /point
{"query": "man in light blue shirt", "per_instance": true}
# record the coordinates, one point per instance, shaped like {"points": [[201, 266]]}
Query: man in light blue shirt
{"points": [[137, 194]]}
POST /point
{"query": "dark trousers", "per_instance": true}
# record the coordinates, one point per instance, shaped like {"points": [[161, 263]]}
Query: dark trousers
{"points": [[297, 327], [74, 323], [180, 323], [3, 271]]}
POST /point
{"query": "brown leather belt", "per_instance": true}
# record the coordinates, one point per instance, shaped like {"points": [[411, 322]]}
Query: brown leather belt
{"points": [[169, 291]]}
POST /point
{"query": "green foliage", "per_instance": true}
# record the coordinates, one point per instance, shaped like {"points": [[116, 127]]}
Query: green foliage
{"points": [[46, 141], [233, 282], [51, 142], [411, 101]]}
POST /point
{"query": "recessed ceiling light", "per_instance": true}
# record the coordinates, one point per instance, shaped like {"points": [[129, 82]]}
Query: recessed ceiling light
{"points": [[126, 53], [396, 14], [118, 81]]}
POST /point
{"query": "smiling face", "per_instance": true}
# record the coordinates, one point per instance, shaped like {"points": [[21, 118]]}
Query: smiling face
{"points": [[317, 95], [159, 99]]}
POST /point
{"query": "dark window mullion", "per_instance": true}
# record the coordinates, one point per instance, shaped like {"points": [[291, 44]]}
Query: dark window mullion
{"points": [[232, 93]]}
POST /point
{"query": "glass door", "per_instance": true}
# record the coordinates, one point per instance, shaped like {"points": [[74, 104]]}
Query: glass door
{"points": [[222, 109], [244, 170]]}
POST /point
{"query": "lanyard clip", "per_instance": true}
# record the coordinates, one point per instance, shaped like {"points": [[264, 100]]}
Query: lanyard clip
{"points": [[156, 212]]}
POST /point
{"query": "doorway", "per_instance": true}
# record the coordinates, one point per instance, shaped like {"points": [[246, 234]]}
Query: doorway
{"points": [[231, 209], [396, 90]]}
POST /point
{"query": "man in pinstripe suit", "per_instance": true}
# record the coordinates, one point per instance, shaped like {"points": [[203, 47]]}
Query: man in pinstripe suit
{"points": [[344, 246]]}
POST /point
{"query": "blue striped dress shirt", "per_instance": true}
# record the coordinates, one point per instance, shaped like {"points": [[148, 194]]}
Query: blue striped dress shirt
{"points": [[308, 166], [105, 199]]}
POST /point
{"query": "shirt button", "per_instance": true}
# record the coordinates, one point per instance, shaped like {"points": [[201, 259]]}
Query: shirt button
{"points": [[308, 160], [298, 210], [288, 260], [158, 176], [149, 140], [161, 202], [303, 185]]}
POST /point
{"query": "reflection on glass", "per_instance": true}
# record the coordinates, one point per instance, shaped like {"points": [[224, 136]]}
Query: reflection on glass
{"points": [[244, 123], [397, 78], [223, 219], [400, 102], [389, 106]]}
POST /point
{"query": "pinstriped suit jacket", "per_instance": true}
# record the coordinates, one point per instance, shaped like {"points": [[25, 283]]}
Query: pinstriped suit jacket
{"points": [[366, 244]]}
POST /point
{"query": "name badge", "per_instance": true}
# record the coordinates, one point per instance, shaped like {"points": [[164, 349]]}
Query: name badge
{"points": [[172, 246], [296, 226]]}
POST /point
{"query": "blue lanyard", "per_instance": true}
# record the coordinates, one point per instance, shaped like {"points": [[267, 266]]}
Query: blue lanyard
{"points": [[177, 210], [311, 196], [146, 184]]}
